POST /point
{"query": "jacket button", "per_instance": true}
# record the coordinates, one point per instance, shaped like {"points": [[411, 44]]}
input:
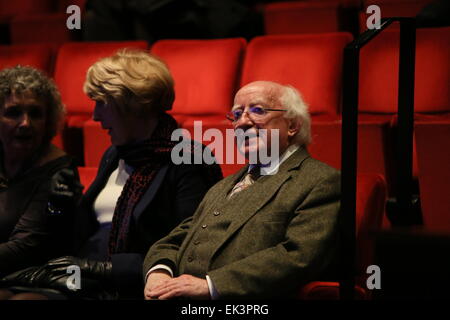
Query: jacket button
{"points": [[190, 259], [216, 213], [204, 226]]}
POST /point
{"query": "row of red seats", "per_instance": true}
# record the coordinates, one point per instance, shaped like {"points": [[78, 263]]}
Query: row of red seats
{"points": [[208, 72], [45, 20], [311, 16], [35, 21]]}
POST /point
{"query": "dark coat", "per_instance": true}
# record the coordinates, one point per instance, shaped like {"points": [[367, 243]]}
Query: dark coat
{"points": [[29, 233], [173, 196]]}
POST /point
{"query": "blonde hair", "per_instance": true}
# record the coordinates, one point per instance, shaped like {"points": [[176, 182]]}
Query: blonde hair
{"points": [[137, 81]]}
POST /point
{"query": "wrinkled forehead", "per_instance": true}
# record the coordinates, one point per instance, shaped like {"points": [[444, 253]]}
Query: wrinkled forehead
{"points": [[267, 94], [25, 97]]}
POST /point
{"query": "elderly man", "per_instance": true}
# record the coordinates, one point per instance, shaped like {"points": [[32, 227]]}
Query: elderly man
{"points": [[255, 235]]}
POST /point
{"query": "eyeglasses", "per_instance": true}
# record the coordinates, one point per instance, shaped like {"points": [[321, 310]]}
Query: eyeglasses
{"points": [[254, 112]]}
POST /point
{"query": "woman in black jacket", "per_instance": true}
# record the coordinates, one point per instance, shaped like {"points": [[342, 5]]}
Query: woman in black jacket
{"points": [[30, 225]]}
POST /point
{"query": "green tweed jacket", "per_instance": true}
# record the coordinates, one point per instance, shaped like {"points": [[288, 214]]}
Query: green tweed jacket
{"points": [[265, 241]]}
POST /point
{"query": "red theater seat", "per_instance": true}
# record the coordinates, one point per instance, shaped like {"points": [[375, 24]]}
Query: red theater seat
{"points": [[310, 63], [95, 142], [45, 27], [379, 74], [39, 56], [12, 8], [433, 152], [370, 201], [87, 176], [301, 17], [392, 8], [206, 74]]}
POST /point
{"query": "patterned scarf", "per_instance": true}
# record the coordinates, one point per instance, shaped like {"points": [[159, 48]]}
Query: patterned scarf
{"points": [[147, 158]]}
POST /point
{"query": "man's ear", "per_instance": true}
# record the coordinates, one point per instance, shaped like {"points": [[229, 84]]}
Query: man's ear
{"points": [[294, 127]]}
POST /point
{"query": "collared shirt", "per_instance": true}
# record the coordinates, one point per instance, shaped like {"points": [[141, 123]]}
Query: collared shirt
{"points": [[265, 170], [271, 169]]}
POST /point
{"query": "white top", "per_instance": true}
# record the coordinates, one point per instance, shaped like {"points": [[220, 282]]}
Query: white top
{"points": [[106, 200]]}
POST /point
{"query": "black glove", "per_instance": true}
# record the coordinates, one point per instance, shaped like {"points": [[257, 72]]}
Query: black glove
{"points": [[37, 277], [98, 270], [65, 191], [55, 275]]}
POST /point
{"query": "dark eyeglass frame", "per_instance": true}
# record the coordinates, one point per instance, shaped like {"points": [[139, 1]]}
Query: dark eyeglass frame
{"points": [[231, 116]]}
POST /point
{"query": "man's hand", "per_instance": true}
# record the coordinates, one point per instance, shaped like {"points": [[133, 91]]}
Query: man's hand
{"points": [[183, 286], [155, 278]]}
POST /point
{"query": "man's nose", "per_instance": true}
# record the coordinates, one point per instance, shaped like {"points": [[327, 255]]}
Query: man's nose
{"points": [[244, 121]]}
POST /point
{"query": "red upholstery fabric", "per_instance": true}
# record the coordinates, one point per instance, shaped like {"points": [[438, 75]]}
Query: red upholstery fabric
{"points": [[228, 148], [372, 145], [379, 72], [95, 142], [206, 74], [310, 63], [87, 176], [432, 141], [370, 202], [63, 4], [44, 27], [390, 8], [11, 8], [70, 73], [321, 290], [301, 17], [35, 55]]}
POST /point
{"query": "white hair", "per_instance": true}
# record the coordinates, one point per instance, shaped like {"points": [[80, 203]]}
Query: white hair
{"points": [[292, 100]]}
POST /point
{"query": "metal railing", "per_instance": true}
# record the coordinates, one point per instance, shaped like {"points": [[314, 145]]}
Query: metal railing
{"points": [[403, 189]]}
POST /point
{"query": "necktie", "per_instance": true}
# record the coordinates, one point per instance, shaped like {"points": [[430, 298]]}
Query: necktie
{"points": [[248, 180]]}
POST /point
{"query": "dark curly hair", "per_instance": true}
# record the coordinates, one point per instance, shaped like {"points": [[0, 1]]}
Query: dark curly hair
{"points": [[20, 79]]}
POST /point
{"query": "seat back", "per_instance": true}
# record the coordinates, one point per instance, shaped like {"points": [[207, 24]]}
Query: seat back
{"points": [[378, 85], [87, 176], [310, 63], [206, 74], [39, 56], [301, 17], [433, 152]]}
